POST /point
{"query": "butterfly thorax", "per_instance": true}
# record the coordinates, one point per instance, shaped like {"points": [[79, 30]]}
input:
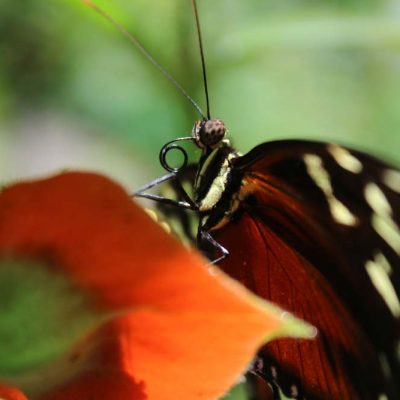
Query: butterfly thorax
{"points": [[215, 184]]}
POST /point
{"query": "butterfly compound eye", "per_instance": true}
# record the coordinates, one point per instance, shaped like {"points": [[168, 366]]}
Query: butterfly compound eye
{"points": [[209, 133]]}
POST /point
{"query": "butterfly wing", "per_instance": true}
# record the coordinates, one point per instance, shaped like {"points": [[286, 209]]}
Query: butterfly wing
{"points": [[317, 233]]}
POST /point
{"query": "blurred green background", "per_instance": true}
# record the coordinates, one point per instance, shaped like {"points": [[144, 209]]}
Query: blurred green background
{"points": [[74, 93]]}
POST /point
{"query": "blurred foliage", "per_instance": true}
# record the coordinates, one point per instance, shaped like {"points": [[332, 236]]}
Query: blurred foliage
{"points": [[322, 69], [281, 68], [31, 63]]}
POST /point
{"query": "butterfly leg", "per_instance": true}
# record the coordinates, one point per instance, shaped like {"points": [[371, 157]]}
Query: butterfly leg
{"points": [[156, 182], [164, 200], [205, 236], [188, 203]]}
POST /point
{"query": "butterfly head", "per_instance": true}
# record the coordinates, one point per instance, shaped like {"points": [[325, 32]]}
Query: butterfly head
{"points": [[208, 133]]}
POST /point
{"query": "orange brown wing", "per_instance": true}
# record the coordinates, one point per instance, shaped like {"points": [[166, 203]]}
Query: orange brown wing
{"points": [[288, 246]]}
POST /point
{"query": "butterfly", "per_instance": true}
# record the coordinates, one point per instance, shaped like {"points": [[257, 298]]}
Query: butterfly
{"points": [[313, 227]]}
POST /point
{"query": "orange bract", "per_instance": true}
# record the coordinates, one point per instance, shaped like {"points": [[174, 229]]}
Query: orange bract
{"points": [[177, 331], [10, 393]]}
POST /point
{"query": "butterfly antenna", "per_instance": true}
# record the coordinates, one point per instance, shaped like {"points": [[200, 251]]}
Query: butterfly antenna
{"points": [[139, 46], [203, 63]]}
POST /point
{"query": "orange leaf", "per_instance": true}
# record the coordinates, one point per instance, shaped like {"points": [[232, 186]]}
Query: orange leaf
{"points": [[178, 331]]}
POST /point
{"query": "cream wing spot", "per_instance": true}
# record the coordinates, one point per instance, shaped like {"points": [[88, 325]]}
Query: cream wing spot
{"points": [[397, 350], [340, 213], [387, 230], [385, 365], [377, 200], [318, 173], [391, 178], [381, 280], [345, 159], [294, 391], [383, 262]]}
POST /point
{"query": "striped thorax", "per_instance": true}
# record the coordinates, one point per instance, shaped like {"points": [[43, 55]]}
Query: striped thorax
{"points": [[215, 186]]}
